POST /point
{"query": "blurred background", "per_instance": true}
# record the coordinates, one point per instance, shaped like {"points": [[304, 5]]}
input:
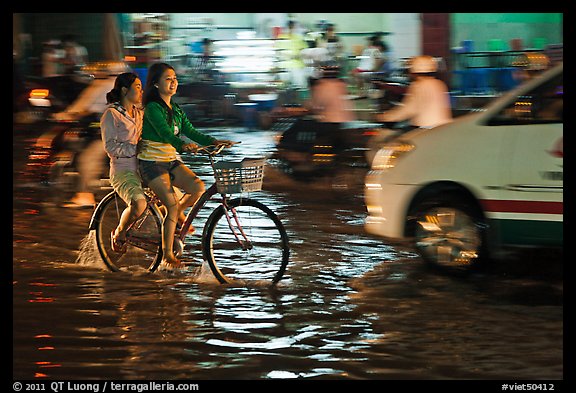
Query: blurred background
{"points": [[352, 305], [460, 42]]}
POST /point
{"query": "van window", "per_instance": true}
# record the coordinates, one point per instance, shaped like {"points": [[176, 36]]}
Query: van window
{"points": [[544, 104]]}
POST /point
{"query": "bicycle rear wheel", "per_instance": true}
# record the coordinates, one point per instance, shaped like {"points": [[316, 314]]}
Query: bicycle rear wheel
{"points": [[143, 249], [263, 257]]}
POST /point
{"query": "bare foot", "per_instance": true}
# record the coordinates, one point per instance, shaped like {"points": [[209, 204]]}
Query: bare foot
{"points": [[171, 261], [118, 244]]}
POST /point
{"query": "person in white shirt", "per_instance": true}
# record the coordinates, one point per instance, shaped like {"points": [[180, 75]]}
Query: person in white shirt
{"points": [[371, 60], [426, 103], [121, 125]]}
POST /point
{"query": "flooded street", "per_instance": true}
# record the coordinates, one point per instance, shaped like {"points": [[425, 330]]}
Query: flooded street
{"points": [[351, 306]]}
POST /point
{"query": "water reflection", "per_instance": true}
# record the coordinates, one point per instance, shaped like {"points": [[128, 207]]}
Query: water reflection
{"points": [[354, 307]]}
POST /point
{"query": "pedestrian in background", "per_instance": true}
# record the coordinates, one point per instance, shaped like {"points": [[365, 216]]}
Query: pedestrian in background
{"points": [[371, 60], [291, 44]]}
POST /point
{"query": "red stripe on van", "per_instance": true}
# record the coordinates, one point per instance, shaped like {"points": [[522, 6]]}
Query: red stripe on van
{"points": [[511, 206]]}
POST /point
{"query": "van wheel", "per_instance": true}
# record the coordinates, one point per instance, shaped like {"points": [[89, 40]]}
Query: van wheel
{"points": [[449, 233]]}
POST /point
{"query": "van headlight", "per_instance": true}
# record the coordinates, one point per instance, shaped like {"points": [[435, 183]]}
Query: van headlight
{"points": [[387, 156]]}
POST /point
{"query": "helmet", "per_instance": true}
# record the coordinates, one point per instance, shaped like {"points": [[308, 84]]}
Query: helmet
{"points": [[423, 64]]}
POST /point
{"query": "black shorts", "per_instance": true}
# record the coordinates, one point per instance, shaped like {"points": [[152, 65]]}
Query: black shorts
{"points": [[149, 170]]}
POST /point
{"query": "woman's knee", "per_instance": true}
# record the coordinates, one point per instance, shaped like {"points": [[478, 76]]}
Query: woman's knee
{"points": [[139, 205], [199, 185]]}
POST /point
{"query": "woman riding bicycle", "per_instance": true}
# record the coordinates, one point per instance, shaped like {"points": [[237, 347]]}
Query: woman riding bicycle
{"points": [[121, 125], [160, 167]]}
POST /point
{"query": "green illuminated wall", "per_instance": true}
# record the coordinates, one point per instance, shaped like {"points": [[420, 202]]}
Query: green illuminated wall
{"points": [[531, 28]]}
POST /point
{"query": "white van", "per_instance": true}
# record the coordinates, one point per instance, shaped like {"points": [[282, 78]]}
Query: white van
{"points": [[489, 179]]}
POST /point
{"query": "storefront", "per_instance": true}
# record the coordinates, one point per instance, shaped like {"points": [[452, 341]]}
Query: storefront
{"points": [[235, 55]]}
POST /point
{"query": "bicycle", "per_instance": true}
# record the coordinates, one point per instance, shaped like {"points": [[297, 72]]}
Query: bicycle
{"points": [[242, 238]]}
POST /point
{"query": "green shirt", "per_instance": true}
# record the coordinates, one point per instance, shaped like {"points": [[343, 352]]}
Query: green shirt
{"points": [[156, 128]]}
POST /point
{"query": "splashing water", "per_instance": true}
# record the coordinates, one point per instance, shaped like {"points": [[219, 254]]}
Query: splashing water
{"points": [[88, 254]]}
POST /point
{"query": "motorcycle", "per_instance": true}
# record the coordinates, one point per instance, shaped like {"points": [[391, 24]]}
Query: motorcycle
{"points": [[309, 150], [39, 98], [53, 157], [390, 89]]}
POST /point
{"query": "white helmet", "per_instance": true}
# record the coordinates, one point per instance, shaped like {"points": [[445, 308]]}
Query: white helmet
{"points": [[423, 64]]}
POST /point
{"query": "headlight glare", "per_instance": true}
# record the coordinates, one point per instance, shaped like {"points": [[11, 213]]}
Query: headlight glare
{"points": [[387, 157]]}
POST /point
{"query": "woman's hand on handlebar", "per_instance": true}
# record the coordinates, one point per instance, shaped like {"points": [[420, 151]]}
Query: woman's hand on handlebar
{"points": [[190, 147], [215, 148]]}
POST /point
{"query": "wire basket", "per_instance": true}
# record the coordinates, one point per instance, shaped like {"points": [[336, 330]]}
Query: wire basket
{"points": [[237, 177]]}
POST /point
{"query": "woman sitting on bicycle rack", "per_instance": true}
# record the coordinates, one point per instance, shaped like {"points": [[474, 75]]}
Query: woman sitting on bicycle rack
{"points": [[121, 125], [160, 167]]}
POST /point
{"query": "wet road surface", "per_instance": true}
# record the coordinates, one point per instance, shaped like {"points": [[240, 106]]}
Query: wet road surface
{"points": [[351, 305]]}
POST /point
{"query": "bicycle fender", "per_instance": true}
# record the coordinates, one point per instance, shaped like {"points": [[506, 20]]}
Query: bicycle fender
{"points": [[97, 212]]}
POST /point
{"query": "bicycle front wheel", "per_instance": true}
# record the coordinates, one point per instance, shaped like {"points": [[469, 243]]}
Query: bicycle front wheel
{"points": [[246, 241], [143, 246]]}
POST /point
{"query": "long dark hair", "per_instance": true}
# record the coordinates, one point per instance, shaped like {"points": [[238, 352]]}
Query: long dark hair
{"points": [[150, 93], [126, 80]]}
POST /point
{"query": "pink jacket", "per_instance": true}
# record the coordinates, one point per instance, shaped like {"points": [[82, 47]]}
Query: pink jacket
{"points": [[121, 134]]}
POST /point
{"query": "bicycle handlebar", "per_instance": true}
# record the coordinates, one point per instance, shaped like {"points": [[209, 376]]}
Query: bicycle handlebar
{"points": [[214, 149]]}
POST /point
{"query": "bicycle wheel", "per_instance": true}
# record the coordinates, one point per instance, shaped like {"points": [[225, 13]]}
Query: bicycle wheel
{"points": [[263, 257], [143, 239]]}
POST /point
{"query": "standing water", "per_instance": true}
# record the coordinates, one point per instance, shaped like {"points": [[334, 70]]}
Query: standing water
{"points": [[351, 306]]}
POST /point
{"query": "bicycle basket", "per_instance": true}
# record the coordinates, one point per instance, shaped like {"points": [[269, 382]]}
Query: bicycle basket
{"points": [[236, 177]]}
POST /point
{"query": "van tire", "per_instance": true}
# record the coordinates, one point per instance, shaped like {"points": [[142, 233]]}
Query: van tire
{"points": [[449, 232]]}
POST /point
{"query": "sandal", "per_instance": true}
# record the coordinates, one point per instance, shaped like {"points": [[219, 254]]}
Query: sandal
{"points": [[117, 244]]}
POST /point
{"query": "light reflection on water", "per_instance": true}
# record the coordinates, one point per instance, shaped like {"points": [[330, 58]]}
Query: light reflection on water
{"points": [[353, 307]]}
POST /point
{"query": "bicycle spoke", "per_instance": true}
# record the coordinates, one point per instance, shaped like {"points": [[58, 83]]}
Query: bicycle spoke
{"points": [[267, 256], [143, 239]]}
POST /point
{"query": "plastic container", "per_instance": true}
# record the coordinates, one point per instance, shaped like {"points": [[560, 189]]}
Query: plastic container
{"points": [[265, 102]]}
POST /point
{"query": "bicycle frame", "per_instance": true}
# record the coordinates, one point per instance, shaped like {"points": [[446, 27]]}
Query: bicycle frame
{"points": [[204, 198], [234, 223], [137, 240]]}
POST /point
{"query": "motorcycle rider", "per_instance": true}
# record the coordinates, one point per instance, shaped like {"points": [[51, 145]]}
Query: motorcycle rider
{"points": [[426, 103], [329, 96], [92, 159]]}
